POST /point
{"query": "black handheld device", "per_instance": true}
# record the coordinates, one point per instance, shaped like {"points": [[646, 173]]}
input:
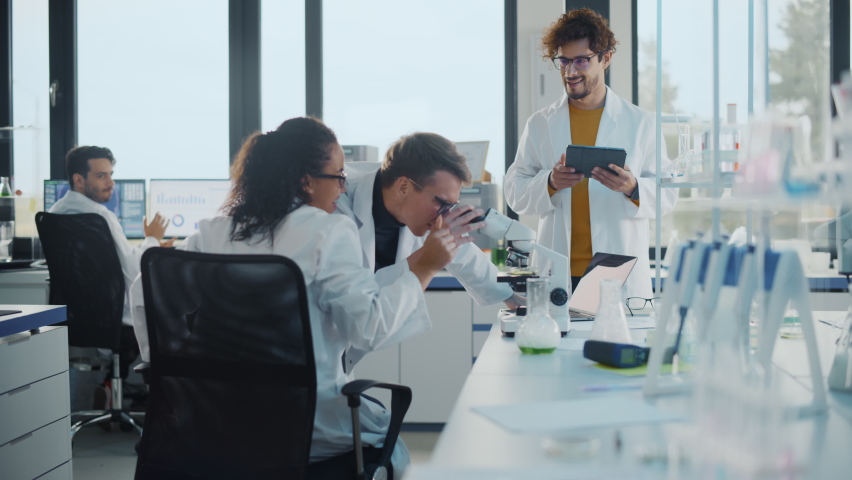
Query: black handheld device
{"points": [[584, 158], [618, 355]]}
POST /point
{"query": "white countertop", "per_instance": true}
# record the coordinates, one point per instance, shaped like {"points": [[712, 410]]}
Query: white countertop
{"points": [[471, 444]]}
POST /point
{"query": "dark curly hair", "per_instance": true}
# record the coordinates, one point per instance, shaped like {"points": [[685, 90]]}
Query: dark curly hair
{"points": [[77, 160], [577, 25], [269, 173]]}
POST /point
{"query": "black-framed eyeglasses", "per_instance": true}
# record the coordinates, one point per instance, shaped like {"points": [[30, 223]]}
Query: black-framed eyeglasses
{"points": [[445, 206], [580, 63], [638, 303], [340, 178]]}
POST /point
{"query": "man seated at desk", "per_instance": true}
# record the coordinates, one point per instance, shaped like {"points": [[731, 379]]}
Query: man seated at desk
{"points": [[395, 204], [89, 171]]}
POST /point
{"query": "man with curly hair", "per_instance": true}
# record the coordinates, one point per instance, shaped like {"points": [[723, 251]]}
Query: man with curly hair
{"points": [[608, 212]]}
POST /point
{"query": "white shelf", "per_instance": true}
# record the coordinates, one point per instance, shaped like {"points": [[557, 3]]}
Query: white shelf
{"points": [[698, 180]]}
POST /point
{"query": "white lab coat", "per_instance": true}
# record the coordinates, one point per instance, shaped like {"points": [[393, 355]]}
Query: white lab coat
{"points": [[471, 266], [617, 224], [128, 255], [347, 308]]}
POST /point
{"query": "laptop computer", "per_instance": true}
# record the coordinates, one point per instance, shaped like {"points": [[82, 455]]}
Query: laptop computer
{"points": [[585, 300]]}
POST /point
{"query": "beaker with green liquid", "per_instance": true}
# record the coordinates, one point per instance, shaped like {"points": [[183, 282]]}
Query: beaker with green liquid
{"points": [[539, 332]]}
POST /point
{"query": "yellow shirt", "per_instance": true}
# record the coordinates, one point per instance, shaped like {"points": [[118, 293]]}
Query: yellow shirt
{"points": [[584, 131]]}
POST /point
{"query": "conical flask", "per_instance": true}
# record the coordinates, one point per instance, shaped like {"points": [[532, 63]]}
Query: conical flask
{"points": [[610, 324], [539, 333], [840, 376]]}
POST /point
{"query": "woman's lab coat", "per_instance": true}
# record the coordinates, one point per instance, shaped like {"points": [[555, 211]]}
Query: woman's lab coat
{"points": [[347, 308], [617, 224]]}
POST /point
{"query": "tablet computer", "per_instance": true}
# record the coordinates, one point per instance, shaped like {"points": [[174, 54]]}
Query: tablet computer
{"points": [[584, 159]]}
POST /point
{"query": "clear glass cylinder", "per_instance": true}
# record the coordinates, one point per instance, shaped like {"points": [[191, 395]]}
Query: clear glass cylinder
{"points": [[539, 333], [610, 324]]}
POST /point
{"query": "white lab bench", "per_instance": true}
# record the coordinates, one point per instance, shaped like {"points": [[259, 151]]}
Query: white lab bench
{"points": [[434, 364], [472, 446]]}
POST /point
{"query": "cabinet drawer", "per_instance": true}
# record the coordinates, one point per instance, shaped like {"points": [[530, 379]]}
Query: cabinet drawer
{"points": [[33, 406], [36, 453], [62, 472], [31, 358]]}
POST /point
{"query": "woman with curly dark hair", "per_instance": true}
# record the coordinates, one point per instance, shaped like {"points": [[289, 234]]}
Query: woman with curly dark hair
{"points": [[285, 185]]}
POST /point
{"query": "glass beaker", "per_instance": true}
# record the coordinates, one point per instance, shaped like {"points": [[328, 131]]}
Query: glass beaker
{"points": [[610, 324], [539, 333]]}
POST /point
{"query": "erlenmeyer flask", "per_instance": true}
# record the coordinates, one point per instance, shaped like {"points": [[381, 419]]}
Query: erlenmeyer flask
{"points": [[840, 376], [610, 324], [539, 332]]}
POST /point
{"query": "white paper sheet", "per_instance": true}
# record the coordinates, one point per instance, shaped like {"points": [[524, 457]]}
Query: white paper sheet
{"points": [[638, 323], [538, 472], [541, 417]]}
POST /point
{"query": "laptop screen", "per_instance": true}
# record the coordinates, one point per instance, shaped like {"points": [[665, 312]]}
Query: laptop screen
{"points": [[603, 265]]}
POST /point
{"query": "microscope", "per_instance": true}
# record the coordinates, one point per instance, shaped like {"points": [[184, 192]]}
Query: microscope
{"points": [[522, 240]]}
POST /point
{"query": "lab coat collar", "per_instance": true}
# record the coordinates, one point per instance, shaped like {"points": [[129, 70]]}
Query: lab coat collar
{"points": [[609, 119], [559, 122], [362, 208]]}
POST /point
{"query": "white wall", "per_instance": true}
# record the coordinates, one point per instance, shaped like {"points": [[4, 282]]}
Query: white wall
{"points": [[621, 70], [533, 17]]}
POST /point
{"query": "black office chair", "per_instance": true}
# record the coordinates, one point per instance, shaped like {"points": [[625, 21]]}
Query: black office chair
{"points": [[85, 275], [232, 372]]}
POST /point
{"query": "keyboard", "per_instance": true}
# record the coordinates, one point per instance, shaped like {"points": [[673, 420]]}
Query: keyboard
{"points": [[580, 315]]}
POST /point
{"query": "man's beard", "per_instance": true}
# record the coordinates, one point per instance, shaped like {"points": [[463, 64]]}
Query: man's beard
{"points": [[96, 195], [582, 94]]}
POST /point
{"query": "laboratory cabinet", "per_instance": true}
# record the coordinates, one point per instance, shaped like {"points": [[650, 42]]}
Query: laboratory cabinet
{"points": [[35, 440], [27, 287], [435, 363]]}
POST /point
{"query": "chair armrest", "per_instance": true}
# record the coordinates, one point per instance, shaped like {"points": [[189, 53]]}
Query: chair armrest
{"points": [[400, 401], [144, 369]]}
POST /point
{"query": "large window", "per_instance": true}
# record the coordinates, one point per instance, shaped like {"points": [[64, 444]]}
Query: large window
{"points": [[153, 85], [282, 50], [393, 67], [790, 77], [30, 103]]}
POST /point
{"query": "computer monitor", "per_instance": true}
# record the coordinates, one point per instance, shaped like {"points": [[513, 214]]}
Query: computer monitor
{"points": [[127, 202], [186, 202]]}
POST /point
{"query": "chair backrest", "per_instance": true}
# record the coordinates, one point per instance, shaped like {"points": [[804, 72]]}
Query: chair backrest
{"points": [[85, 275], [232, 377]]}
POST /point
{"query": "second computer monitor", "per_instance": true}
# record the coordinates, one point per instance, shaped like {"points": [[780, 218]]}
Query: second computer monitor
{"points": [[186, 202], [127, 202]]}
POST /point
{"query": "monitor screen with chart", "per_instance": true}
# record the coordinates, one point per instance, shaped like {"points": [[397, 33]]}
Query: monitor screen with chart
{"points": [[186, 202], [127, 202]]}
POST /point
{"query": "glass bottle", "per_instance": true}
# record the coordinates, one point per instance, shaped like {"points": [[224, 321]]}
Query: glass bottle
{"points": [[610, 324], [5, 188], [539, 332]]}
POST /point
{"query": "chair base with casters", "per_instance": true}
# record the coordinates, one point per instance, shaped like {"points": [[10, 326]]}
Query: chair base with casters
{"points": [[116, 412], [400, 401]]}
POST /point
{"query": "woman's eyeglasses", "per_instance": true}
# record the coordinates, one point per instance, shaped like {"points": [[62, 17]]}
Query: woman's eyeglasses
{"points": [[638, 303], [340, 178], [445, 206]]}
